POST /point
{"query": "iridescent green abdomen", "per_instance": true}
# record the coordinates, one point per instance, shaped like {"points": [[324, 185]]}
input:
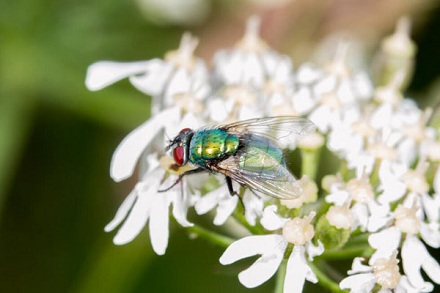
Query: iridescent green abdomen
{"points": [[211, 144]]}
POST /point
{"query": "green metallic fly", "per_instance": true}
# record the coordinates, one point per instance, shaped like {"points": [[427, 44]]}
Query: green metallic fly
{"points": [[247, 152]]}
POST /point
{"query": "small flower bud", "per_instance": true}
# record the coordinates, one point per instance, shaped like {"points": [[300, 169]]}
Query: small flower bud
{"points": [[329, 180], [188, 102], [251, 40], [386, 272], [398, 51], [239, 94], [299, 230], [382, 152], [415, 179], [360, 189], [406, 219], [340, 217], [417, 131], [390, 93], [184, 55], [363, 128]]}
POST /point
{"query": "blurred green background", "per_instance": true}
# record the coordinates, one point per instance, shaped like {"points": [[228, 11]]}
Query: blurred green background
{"points": [[57, 138]]}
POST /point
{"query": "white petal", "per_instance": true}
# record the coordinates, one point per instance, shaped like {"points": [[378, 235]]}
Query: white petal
{"points": [[207, 202], [260, 271], [345, 92], [158, 226], [406, 287], [297, 271], [137, 218], [181, 203], [322, 116], [308, 73], [432, 268], [380, 215], [131, 147], [179, 83], [363, 85], [218, 110], [271, 247], [153, 81], [253, 207], [337, 196], [313, 250], [430, 233], [407, 151], [431, 206], [253, 245], [360, 211], [271, 220], [303, 101], [361, 283], [122, 211], [382, 116], [359, 267], [385, 242], [253, 70], [103, 73], [225, 208], [325, 85], [393, 188], [414, 257]]}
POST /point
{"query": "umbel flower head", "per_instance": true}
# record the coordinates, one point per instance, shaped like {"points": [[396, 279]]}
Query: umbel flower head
{"points": [[380, 210]]}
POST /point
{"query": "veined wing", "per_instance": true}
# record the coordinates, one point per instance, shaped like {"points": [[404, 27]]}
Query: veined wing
{"points": [[282, 129], [260, 166]]}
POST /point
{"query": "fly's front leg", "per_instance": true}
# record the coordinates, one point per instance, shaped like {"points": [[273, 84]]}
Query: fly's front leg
{"points": [[194, 171]]}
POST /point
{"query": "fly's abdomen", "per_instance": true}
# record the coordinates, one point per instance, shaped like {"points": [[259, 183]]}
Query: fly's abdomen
{"points": [[260, 154], [212, 144]]}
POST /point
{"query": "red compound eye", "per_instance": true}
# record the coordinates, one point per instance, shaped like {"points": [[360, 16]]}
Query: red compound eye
{"points": [[179, 155], [185, 130]]}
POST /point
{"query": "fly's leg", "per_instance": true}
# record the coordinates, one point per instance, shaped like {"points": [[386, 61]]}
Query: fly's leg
{"points": [[232, 192], [230, 187], [194, 171]]}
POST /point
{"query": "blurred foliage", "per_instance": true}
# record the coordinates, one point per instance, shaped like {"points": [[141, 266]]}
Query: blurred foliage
{"points": [[56, 141]]}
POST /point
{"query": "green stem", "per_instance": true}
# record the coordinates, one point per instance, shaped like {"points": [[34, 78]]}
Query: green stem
{"points": [[310, 160], [213, 237], [281, 275], [348, 253], [374, 178], [324, 281]]}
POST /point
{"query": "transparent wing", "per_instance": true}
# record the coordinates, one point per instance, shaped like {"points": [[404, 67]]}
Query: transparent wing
{"points": [[281, 129], [261, 169]]}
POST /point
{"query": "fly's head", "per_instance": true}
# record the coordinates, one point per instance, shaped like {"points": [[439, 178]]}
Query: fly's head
{"points": [[180, 146]]}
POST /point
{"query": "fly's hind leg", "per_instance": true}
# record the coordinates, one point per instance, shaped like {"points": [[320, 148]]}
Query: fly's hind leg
{"points": [[194, 171], [231, 190]]}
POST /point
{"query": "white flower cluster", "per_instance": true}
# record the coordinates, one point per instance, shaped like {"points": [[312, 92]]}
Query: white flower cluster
{"points": [[387, 189]]}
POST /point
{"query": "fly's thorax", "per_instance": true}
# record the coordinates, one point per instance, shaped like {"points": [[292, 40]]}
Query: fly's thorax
{"points": [[212, 144]]}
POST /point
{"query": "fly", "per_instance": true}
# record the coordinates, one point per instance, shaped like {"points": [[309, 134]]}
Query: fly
{"points": [[247, 152]]}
